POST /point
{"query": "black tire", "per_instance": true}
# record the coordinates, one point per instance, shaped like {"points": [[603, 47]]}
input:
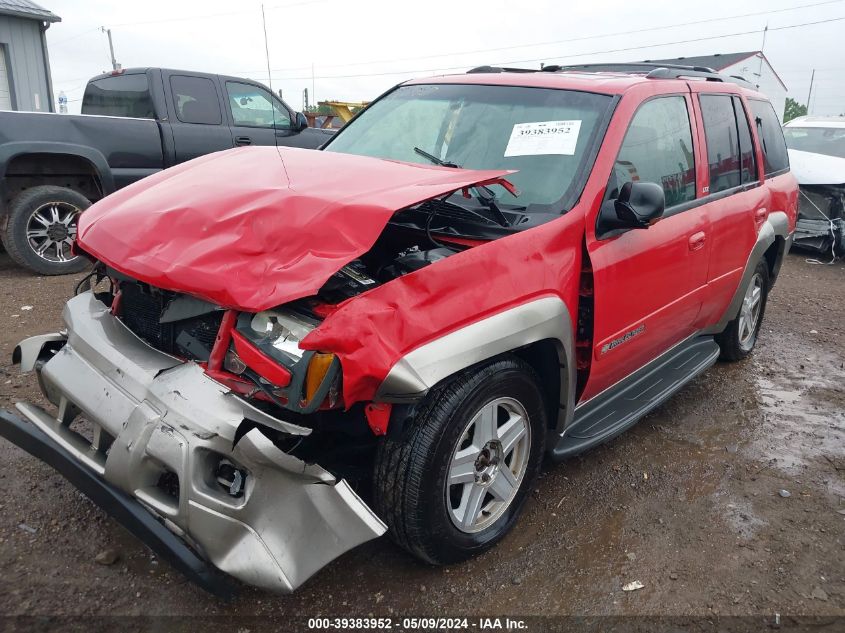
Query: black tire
{"points": [[412, 467], [736, 342], [22, 211]]}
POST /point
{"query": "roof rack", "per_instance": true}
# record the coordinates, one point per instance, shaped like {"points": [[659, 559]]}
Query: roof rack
{"points": [[659, 71], [632, 67], [499, 69], [652, 70]]}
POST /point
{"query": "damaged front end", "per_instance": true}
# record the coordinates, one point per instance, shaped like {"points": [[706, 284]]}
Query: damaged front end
{"points": [[821, 219], [188, 387], [168, 437]]}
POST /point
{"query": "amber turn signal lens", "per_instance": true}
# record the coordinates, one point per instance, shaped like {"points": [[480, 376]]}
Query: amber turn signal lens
{"points": [[317, 370]]}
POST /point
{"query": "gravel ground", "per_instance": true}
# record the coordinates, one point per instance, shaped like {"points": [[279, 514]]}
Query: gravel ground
{"points": [[688, 503]]}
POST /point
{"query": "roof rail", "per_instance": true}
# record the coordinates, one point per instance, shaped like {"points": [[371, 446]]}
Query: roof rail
{"points": [[627, 67], [659, 71], [499, 69], [652, 70]]}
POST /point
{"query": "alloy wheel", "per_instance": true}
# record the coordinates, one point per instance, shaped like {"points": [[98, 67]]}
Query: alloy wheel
{"points": [[749, 313], [51, 229], [488, 465]]}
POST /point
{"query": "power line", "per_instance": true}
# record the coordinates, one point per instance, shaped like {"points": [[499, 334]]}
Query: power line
{"points": [[554, 42], [62, 41], [551, 57], [217, 15]]}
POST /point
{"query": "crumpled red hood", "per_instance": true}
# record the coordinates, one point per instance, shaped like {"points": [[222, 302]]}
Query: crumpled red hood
{"points": [[256, 227]]}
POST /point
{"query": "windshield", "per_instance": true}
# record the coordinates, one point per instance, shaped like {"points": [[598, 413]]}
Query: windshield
{"points": [[829, 141], [546, 134]]}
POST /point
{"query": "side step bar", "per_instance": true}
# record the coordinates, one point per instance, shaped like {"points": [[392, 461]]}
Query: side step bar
{"points": [[620, 407], [127, 511]]}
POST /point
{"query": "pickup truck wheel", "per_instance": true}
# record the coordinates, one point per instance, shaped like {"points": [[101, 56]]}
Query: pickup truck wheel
{"points": [[41, 228], [455, 479], [739, 338]]}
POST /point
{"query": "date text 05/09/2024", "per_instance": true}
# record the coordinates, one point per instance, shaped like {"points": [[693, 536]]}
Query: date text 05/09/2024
{"points": [[425, 624]]}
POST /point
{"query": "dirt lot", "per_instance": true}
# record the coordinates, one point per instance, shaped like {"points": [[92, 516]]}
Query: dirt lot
{"points": [[688, 502]]}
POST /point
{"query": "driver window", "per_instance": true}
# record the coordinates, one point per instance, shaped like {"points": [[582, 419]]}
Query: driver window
{"points": [[253, 107], [658, 148]]}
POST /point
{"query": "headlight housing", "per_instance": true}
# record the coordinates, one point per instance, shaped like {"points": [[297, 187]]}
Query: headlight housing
{"points": [[268, 343], [277, 332]]}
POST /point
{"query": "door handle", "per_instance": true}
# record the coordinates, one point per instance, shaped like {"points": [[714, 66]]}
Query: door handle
{"points": [[760, 214], [243, 140], [697, 240]]}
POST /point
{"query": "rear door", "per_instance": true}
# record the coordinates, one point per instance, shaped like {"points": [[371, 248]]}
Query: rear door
{"points": [[649, 283], [196, 118], [737, 203]]}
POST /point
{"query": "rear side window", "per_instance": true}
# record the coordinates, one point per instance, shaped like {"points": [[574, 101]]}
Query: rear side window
{"points": [[121, 95], [775, 156], [658, 148], [724, 148], [747, 156], [196, 100]]}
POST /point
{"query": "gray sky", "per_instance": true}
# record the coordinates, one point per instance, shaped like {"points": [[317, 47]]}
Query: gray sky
{"points": [[359, 49]]}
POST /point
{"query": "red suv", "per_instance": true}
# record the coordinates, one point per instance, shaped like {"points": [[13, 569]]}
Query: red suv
{"points": [[476, 271]]}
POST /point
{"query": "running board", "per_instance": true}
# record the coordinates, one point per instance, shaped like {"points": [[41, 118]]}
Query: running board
{"points": [[620, 407]]}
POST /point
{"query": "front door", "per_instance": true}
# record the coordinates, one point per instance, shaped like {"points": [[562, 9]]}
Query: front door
{"points": [[649, 283], [257, 118]]}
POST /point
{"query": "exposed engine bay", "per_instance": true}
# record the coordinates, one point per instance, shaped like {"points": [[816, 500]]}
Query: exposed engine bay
{"points": [[356, 277], [261, 359], [187, 327]]}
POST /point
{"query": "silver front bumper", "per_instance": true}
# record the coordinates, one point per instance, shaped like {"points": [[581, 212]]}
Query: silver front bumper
{"points": [[153, 414]]}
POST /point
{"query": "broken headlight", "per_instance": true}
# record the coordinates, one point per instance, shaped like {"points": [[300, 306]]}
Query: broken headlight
{"points": [[277, 333]]}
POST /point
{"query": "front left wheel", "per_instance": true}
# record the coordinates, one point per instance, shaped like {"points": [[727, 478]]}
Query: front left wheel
{"points": [[454, 480]]}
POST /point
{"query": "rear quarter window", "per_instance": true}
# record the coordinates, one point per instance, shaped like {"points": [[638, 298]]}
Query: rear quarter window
{"points": [[775, 156], [122, 95], [195, 99]]}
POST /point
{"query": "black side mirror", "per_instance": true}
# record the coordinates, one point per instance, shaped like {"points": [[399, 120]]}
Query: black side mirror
{"points": [[639, 204], [301, 122]]}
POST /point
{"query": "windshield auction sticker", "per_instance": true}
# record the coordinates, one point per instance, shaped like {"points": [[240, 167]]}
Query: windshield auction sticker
{"points": [[543, 137]]}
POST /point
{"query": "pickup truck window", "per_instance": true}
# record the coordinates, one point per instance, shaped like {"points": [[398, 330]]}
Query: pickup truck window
{"points": [[253, 107], [730, 161], [658, 148], [196, 100], [121, 95]]}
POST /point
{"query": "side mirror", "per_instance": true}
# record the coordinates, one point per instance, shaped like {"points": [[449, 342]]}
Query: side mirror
{"points": [[301, 122], [638, 206]]}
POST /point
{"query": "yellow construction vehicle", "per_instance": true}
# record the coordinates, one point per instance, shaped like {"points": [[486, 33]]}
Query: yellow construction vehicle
{"points": [[343, 110]]}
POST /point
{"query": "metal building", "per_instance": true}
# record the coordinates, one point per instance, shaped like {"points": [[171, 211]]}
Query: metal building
{"points": [[25, 82]]}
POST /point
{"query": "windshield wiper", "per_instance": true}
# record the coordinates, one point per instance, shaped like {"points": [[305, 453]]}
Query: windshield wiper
{"points": [[435, 160], [488, 199], [485, 195]]}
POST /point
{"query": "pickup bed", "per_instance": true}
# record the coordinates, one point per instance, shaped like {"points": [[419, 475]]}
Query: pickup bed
{"points": [[133, 123]]}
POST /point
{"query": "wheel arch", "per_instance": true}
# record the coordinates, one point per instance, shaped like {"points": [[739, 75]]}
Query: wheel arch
{"points": [[773, 242], [23, 165], [774, 258], [538, 331]]}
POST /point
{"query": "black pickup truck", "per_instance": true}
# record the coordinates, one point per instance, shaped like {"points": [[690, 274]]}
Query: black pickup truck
{"points": [[53, 166]]}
